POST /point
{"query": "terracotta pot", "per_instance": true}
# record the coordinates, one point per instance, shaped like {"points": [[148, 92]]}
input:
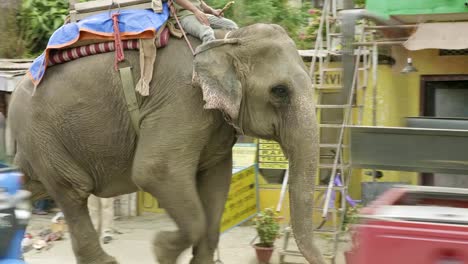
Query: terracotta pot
{"points": [[263, 253]]}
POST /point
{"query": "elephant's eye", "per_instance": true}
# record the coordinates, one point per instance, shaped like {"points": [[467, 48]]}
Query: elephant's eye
{"points": [[280, 91]]}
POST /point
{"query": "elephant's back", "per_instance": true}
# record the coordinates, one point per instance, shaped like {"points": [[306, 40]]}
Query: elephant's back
{"points": [[81, 103], [93, 80], [80, 106]]}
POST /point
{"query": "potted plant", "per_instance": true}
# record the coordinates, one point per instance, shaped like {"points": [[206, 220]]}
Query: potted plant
{"points": [[268, 230]]}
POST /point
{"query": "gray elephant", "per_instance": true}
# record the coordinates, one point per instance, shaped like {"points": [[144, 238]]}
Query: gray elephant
{"points": [[75, 136]]}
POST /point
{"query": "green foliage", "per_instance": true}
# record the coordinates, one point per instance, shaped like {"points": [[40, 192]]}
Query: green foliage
{"points": [[247, 12], [351, 217], [308, 34], [360, 3], [38, 19], [268, 229]]}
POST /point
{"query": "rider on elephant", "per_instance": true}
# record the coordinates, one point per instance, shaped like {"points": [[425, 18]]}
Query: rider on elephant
{"points": [[198, 19]]}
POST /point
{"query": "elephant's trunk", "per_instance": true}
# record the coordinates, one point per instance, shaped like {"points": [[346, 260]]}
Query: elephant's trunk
{"points": [[302, 148]]}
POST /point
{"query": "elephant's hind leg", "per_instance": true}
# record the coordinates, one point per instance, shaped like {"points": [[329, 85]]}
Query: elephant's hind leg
{"points": [[85, 240], [67, 184]]}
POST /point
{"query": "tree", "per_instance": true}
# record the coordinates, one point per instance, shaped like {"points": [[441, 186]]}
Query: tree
{"points": [[10, 46], [38, 20], [247, 12]]}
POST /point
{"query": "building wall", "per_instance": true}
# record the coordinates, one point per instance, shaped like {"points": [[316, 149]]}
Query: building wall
{"points": [[398, 96]]}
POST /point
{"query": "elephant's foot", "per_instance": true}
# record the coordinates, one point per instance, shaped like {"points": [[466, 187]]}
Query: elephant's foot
{"points": [[105, 259], [201, 260], [168, 246]]}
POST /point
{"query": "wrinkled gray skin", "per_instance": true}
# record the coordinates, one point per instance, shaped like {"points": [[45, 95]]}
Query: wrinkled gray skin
{"points": [[75, 137]]}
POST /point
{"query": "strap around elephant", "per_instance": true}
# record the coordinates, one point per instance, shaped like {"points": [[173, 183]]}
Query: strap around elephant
{"points": [[214, 44], [128, 86]]}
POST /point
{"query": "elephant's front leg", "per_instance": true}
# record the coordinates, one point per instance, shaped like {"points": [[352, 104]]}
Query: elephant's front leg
{"points": [[169, 173], [213, 187]]}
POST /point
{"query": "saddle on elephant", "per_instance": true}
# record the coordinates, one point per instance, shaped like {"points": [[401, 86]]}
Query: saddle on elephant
{"points": [[113, 30]]}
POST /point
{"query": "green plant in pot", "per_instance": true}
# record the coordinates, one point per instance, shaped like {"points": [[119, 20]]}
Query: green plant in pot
{"points": [[268, 230]]}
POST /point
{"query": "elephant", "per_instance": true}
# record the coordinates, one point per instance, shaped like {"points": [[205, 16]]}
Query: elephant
{"points": [[75, 137]]}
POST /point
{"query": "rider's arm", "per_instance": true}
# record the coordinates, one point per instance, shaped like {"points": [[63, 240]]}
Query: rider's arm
{"points": [[206, 8], [186, 4], [198, 13]]}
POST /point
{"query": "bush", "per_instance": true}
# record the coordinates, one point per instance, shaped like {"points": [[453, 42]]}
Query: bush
{"points": [[38, 19], [268, 229], [10, 43], [246, 12]]}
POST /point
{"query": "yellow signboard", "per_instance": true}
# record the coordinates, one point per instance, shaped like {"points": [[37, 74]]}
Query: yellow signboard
{"points": [[241, 204], [147, 203], [244, 155], [270, 155]]}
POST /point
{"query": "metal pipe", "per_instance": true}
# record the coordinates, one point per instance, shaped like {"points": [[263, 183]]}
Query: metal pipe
{"points": [[2, 137], [348, 4], [391, 26], [390, 39], [375, 62], [396, 42], [283, 191], [349, 18], [318, 41]]}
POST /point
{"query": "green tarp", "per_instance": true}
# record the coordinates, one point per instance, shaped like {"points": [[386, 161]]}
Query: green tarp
{"points": [[416, 7]]}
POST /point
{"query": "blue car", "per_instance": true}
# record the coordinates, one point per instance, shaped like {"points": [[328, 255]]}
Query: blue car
{"points": [[15, 212]]}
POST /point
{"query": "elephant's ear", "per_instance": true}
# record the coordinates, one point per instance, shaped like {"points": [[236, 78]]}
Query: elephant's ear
{"points": [[215, 72]]}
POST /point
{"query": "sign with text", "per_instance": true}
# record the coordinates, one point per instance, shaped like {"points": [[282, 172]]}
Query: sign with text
{"points": [[241, 204], [244, 155], [270, 155], [330, 78]]}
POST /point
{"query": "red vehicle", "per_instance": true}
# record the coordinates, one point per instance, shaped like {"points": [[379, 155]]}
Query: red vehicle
{"points": [[413, 225]]}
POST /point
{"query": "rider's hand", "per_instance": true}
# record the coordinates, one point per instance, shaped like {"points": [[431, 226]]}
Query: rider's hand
{"points": [[217, 12], [202, 17]]}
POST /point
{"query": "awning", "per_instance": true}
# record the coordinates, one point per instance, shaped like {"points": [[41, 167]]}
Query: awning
{"points": [[450, 35], [11, 72]]}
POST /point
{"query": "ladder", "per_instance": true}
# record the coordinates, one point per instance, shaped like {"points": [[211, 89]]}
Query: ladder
{"points": [[334, 114]]}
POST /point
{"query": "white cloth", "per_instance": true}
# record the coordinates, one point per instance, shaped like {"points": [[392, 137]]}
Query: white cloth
{"points": [[450, 35], [101, 211], [157, 6]]}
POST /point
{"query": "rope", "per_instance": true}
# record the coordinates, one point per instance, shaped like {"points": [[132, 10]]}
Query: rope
{"points": [[174, 13], [119, 53]]}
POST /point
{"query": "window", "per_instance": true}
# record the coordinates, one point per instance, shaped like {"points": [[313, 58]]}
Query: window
{"points": [[462, 52]]}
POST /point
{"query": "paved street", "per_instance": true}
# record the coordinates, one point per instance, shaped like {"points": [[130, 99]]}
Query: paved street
{"points": [[133, 246]]}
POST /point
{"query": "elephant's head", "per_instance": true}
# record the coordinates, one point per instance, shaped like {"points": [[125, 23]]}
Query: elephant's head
{"points": [[258, 80]]}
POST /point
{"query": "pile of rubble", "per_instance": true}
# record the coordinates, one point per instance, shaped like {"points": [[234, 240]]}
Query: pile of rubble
{"points": [[43, 239]]}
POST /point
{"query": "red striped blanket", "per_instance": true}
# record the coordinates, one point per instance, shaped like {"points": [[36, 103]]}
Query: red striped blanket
{"points": [[62, 56]]}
